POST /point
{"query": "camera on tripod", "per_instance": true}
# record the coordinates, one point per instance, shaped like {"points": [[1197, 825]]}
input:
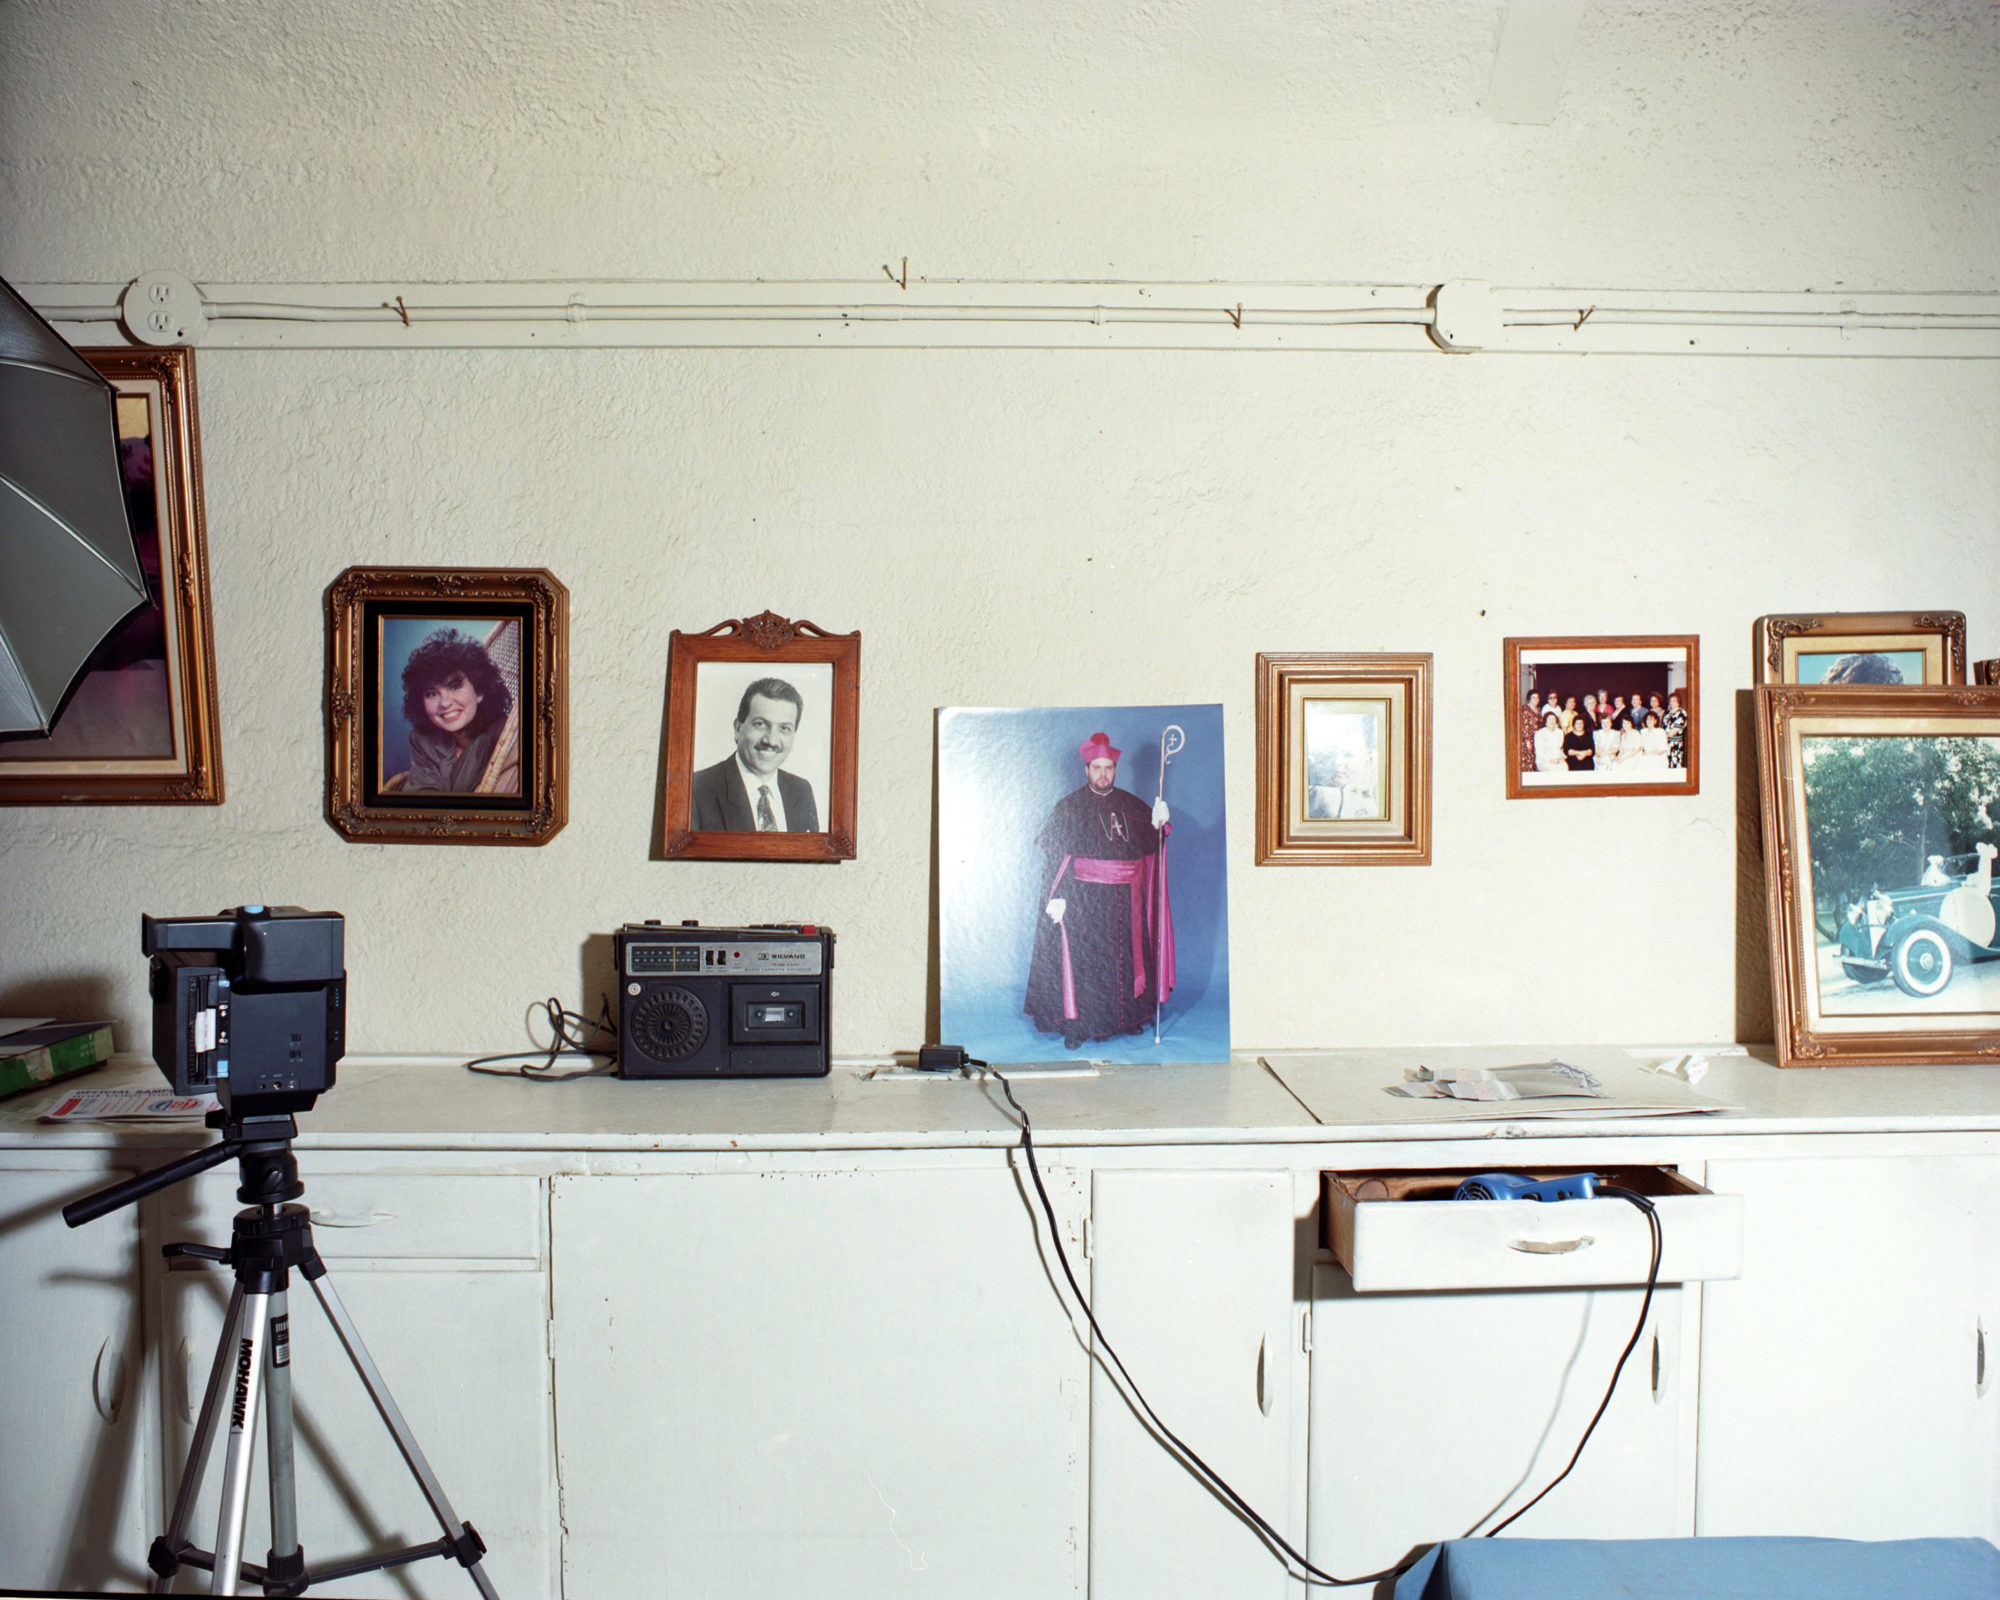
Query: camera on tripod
{"points": [[252, 1004], [249, 1004]]}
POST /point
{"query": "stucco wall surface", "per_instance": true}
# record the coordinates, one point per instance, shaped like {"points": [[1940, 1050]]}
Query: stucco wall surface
{"points": [[1020, 527], [1700, 143]]}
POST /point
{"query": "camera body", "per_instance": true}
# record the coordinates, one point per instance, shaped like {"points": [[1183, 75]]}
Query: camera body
{"points": [[249, 1004]]}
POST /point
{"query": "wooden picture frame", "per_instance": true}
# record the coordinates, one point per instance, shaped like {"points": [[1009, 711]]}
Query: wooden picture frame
{"points": [[452, 642], [142, 727], [1602, 754], [1922, 647], [1879, 844], [1343, 760], [805, 730], [1986, 672]]}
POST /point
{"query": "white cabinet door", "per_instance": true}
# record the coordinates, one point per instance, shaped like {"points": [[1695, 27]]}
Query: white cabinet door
{"points": [[806, 1382], [1435, 1416], [1191, 1278], [1847, 1378], [461, 1340], [72, 1436]]}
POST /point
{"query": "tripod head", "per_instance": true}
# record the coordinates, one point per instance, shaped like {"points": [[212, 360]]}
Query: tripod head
{"points": [[262, 1147]]}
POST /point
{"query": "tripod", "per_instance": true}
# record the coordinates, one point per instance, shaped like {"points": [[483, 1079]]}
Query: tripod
{"points": [[253, 1361]]}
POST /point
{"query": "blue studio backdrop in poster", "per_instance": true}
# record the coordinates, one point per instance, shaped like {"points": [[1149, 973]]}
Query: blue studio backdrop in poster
{"points": [[1017, 817]]}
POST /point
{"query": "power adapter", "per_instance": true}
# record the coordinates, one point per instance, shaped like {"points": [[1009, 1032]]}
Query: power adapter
{"points": [[942, 1058]]}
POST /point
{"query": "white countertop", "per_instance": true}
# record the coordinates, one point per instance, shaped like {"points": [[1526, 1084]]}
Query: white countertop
{"points": [[1290, 1097]]}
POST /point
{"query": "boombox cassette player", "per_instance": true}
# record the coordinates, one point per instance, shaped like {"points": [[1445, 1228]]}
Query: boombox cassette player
{"points": [[697, 1002]]}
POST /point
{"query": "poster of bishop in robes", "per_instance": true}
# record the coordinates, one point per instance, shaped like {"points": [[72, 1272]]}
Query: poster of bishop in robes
{"points": [[1083, 902]]}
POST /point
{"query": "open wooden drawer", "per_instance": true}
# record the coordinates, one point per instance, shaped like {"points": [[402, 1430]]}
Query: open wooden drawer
{"points": [[1401, 1230]]}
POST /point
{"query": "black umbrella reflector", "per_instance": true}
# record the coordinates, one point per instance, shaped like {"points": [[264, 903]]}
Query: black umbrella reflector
{"points": [[69, 573]]}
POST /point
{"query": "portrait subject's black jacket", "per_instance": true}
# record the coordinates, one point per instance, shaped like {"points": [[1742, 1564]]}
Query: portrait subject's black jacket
{"points": [[720, 805]]}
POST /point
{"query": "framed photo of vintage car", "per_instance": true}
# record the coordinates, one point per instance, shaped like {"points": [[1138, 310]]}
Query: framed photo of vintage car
{"points": [[447, 705], [1862, 647], [1343, 760], [141, 725], [1881, 810], [1602, 716], [760, 765]]}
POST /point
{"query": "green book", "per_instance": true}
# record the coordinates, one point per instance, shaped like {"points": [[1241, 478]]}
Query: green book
{"points": [[34, 1053]]}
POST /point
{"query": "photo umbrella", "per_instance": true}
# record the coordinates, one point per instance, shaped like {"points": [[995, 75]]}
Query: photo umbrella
{"points": [[69, 572]]}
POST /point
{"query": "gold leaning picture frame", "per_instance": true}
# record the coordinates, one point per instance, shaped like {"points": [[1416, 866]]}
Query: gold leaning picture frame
{"points": [[1915, 647], [447, 704], [1878, 807], [1343, 759], [142, 727]]}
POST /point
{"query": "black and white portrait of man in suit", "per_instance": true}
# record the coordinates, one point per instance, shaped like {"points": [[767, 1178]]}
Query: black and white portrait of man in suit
{"points": [[775, 729]]}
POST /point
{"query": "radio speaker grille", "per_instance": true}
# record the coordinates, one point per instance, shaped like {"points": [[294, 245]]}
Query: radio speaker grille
{"points": [[669, 1024]]}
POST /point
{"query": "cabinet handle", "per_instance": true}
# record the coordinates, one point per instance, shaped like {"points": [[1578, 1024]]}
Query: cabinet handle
{"points": [[350, 1219], [107, 1381], [1551, 1247], [1263, 1385], [1659, 1370], [1980, 1372], [184, 1377]]}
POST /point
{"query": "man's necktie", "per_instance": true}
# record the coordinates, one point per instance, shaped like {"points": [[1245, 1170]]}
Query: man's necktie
{"points": [[767, 822]]}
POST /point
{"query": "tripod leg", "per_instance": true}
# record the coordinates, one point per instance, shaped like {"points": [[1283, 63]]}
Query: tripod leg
{"points": [[385, 1403], [166, 1548], [286, 1561], [251, 1337]]}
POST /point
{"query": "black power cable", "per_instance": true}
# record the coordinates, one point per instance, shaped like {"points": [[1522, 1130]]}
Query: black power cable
{"points": [[569, 1039], [1207, 1475], [1645, 1308]]}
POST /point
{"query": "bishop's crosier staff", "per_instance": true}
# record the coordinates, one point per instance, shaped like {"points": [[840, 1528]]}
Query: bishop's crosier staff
{"points": [[1172, 738]]}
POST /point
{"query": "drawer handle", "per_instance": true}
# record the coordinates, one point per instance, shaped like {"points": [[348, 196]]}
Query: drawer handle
{"points": [[107, 1382], [351, 1219], [1551, 1247]]}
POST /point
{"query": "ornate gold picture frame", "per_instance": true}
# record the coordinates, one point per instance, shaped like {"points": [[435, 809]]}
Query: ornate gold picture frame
{"points": [[1343, 760], [1880, 838], [447, 705], [762, 719], [1880, 647], [141, 726]]}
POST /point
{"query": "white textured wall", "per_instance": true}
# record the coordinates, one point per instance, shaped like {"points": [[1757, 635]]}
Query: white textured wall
{"points": [[1020, 527]]}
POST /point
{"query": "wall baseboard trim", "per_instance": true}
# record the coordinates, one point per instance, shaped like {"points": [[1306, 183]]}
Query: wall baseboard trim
{"points": [[928, 314]]}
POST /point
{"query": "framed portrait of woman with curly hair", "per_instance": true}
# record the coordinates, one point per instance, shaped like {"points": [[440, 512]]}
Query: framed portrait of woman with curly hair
{"points": [[447, 700]]}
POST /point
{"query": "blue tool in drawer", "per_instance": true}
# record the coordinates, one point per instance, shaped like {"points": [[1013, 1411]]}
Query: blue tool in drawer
{"points": [[1512, 1186]]}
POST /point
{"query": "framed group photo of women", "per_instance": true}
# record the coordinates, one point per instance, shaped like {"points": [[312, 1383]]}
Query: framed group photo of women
{"points": [[1881, 813], [1862, 647], [447, 705], [1602, 716], [140, 726], [762, 714], [1343, 760]]}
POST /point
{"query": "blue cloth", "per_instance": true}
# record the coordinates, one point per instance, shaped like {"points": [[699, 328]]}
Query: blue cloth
{"points": [[1704, 1569]]}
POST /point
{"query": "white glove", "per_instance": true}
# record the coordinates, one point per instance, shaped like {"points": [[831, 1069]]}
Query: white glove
{"points": [[1160, 813], [1056, 908]]}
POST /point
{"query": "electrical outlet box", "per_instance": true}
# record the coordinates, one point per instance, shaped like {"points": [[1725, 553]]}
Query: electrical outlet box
{"points": [[162, 308]]}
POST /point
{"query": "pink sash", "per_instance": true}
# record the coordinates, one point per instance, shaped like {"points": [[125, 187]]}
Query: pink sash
{"points": [[1149, 893]]}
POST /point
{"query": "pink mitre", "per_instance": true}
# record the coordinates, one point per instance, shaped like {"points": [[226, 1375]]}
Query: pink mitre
{"points": [[1096, 748]]}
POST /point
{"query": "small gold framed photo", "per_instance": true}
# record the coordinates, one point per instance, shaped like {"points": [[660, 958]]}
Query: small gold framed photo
{"points": [[1343, 760]]}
